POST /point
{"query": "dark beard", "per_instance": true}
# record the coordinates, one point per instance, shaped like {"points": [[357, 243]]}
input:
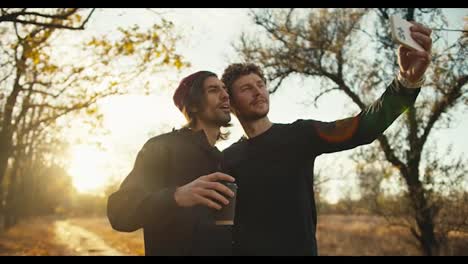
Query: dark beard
{"points": [[254, 117], [223, 123]]}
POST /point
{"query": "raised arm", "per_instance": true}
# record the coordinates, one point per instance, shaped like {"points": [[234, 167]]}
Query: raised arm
{"points": [[366, 126], [375, 119]]}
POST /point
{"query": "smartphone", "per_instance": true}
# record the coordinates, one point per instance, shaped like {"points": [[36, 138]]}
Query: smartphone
{"points": [[401, 33]]}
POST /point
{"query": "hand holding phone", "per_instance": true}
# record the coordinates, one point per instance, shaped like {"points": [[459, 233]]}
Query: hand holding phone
{"points": [[401, 33]]}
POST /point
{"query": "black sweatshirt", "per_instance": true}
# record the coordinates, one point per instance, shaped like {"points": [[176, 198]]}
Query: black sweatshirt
{"points": [[146, 197], [275, 208]]}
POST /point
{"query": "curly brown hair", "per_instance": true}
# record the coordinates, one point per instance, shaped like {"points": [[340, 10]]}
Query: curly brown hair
{"points": [[236, 70]]}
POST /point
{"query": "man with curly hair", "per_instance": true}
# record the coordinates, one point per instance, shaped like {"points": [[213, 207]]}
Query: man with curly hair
{"points": [[273, 163]]}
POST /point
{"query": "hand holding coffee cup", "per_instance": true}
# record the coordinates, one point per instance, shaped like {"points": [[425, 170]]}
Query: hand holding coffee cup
{"points": [[206, 190], [225, 216]]}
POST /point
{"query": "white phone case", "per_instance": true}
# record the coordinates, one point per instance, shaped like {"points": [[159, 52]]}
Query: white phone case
{"points": [[401, 33]]}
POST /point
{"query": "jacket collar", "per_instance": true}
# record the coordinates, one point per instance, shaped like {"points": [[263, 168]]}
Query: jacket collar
{"points": [[200, 139]]}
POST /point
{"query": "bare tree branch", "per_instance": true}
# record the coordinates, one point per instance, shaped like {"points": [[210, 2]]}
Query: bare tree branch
{"points": [[446, 29], [324, 93], [48, 25], [281, 77], [440, 107], [65, 110], [14, 17]]}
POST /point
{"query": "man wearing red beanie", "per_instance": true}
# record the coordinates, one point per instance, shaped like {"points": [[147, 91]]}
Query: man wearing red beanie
{"points": [[173, 189]]}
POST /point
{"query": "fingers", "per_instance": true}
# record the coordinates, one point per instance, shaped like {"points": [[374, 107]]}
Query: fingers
{"points": [[420, 54], [406, 52], [207, 202], [403, 51], [218, 176], [424, 40], [420, 28], [213, 195], [218, 187], [209, 191]]}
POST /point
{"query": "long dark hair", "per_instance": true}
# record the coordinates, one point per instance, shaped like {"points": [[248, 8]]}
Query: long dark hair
{"points": [[195, 99]]}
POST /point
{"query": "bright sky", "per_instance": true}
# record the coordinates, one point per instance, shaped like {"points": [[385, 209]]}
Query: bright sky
{"points": [[208, 35]]}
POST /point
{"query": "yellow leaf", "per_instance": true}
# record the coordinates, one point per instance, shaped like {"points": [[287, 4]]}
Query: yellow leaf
{"points": [[93, 42], [146, 58], [177, 63], [50, 69], [91, 111], [78, 18], [128, 47], [155, 37], [35, 56]]}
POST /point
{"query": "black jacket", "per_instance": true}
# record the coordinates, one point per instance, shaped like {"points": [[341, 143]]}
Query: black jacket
{"points": [[146, 197]]}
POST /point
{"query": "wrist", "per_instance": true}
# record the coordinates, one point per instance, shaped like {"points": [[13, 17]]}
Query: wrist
{"points": [[176, 196], [410, 84]]}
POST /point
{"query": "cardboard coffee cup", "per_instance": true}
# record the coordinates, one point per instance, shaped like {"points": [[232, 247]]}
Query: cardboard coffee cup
{"points": [[225, 216]]}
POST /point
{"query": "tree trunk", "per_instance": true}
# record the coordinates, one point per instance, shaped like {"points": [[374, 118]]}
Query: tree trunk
{"points": [[428, 240], [6, 133], [424, 216], [2, 210], [11, 206], [5, 147]]}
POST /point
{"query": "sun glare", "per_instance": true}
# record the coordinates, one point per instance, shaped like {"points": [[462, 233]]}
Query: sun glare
{"points": [[87, 169]]}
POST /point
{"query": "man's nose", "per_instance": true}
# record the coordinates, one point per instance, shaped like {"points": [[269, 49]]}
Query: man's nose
{"points": [[224, 95], [258, 90]]}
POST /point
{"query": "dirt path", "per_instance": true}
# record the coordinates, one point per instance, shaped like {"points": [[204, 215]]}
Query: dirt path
{"points": [[81, 241]]}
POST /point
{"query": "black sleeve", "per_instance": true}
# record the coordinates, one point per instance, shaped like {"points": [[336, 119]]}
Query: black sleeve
{"points": [[144, 196], [325, 137]]}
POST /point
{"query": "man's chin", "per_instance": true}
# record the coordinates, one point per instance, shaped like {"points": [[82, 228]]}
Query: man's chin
{"points": [[224, 122], [258, 115]]}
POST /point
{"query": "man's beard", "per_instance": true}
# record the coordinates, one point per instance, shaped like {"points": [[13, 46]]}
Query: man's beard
{"points": [[220, 120], [254, 116], [223, 122]]}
